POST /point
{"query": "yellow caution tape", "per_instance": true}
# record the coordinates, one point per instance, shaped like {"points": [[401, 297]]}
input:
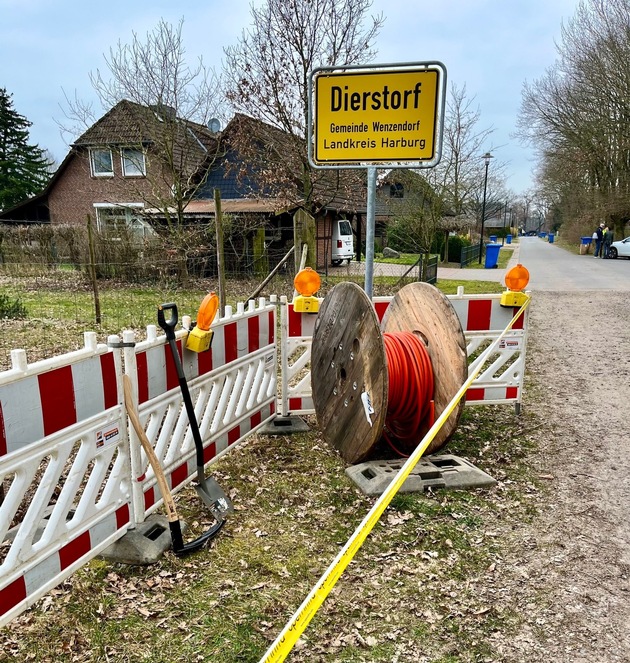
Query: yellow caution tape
{"points": [[283, 644]]}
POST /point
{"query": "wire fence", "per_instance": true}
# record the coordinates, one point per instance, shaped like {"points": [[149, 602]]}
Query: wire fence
{"points": [[57, 301]]}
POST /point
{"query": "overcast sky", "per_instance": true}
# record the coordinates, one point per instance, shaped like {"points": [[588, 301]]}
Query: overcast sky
{"points": [[491, 46]]}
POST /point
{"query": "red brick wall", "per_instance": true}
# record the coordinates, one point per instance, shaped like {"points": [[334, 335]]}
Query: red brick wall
{"points": [[73, 196]]}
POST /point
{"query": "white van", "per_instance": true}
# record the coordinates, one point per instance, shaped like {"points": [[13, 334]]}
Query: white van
{"points": [[342, 242]]}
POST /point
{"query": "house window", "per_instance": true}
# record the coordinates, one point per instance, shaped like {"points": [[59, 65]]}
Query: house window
{"points": [[396, 190], [133, 164], [101, 163], [117, 221]]}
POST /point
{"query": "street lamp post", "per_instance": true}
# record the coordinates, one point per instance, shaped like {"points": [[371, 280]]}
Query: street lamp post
{"points": [[486, 157]]}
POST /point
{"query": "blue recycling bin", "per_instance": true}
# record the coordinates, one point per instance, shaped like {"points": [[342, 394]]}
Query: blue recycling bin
{"points": [[493, 238], [492, 255], [508, 239], [551, 237]]}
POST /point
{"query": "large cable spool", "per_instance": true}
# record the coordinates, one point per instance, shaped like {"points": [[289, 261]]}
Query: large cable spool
{"points": [[349, 371]]}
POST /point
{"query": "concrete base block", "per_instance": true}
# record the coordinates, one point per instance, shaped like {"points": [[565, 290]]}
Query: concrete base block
{"points": [[284, 426], [440, 471], [143, 545]]}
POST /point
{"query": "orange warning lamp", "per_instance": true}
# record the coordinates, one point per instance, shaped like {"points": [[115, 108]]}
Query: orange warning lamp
{"points": [[307, 283], [200, 336], [516, 281], [517, 278], [207, 311]]}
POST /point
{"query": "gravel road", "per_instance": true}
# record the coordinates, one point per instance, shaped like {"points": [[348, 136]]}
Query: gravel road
{"points": [[571, 565]]}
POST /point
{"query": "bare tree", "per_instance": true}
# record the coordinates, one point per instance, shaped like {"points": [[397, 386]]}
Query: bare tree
{"points": [[447, 197], [416, 214], [171, 104], [577, 115], [267, 74], [458, 178]]}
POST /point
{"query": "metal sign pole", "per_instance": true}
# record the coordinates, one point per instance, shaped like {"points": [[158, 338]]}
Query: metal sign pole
{"points": [[369, 235]]}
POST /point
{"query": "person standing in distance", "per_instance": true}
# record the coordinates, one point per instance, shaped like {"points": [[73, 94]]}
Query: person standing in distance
{"points": [[608, 240], [598, 235]]}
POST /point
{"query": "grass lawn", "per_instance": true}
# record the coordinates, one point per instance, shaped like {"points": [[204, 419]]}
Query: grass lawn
{"points": [[572, 247], [421, 588], [405, 259]]}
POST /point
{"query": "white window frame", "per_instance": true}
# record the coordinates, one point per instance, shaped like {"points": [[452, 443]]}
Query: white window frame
{"points": [[138, 226], [139, 168], [93, 163]]}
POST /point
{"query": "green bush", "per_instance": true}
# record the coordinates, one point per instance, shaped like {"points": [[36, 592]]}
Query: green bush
{"points": [[400, 237], [455, 245], [11, 308]]}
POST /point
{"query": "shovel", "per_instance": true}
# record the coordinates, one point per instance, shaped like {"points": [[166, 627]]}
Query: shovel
{"points": [[180, 548], [207, 488]]}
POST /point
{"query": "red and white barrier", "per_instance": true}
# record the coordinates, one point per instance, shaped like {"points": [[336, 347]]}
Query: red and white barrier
{"points": [[295, 356], [38, 404], [65, 467], [75, 479], [483, 320]]}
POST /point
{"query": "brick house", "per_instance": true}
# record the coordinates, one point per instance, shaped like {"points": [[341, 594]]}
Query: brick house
{"points": [[116, 171]]}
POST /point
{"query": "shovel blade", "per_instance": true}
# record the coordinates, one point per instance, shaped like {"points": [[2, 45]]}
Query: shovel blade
{"points": [[214, 497]]}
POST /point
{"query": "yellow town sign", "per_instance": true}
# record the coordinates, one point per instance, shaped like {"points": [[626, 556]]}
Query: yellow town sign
{"points": [[376, 116]]}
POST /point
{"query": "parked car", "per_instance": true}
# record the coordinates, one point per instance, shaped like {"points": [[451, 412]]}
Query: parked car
{"points": [[342, 242], [620, 249]]}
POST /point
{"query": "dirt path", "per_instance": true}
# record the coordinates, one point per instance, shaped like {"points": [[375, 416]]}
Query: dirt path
{"points": [[571, 566]]}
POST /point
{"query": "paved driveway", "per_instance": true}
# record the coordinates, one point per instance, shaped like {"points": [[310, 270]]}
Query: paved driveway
{"points": [[552, 268]]}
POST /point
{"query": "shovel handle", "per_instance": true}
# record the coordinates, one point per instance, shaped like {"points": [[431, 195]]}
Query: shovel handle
{"points": [[168, 325], [169, 504]]}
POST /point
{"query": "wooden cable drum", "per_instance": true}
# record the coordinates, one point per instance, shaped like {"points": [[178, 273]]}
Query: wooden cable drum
{"points": [[349, 370]]}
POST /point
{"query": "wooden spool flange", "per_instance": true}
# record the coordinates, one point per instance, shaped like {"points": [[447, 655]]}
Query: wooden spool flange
{"points": [[349, 366]]}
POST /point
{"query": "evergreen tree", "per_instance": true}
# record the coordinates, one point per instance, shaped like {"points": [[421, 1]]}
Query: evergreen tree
{"points": [[24, 169]]}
